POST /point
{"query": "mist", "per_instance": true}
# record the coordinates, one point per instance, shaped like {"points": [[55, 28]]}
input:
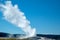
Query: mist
{"points": [[15, 16]]}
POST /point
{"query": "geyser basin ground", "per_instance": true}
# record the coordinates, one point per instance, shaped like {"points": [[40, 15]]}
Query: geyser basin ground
{"points": [[7, 36]]}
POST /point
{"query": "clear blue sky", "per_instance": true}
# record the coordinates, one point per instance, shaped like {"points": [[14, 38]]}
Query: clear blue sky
{"points": [[44, 15]]}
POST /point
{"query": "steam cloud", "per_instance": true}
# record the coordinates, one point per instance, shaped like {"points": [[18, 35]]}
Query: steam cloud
{"points": [[15, 16]]}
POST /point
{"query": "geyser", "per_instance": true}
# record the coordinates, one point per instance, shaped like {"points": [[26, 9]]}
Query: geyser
{"points": [[15, 16]]}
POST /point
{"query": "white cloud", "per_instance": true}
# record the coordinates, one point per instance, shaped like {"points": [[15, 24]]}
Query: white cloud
{"points": [[13, 15]]}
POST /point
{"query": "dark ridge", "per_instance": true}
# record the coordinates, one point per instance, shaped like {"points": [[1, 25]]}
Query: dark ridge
{"points": [[49, 36], [2, 34]]}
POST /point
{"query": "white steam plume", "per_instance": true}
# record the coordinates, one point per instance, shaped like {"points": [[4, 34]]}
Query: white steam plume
{"points": [[13, 15]]}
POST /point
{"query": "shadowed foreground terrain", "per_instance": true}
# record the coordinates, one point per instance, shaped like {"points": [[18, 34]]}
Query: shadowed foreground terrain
{"points": [[3, 38], [16, 39], [7, 36]]}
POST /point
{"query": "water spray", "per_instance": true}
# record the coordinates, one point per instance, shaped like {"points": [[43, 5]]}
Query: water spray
{"points": [[15, 16]]}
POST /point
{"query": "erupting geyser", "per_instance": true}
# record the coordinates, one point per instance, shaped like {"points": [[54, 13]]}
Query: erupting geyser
{"points": [[15, 16]]}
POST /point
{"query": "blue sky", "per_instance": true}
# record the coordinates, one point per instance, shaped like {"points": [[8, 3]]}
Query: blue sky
{"points": [[44, 15]]}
